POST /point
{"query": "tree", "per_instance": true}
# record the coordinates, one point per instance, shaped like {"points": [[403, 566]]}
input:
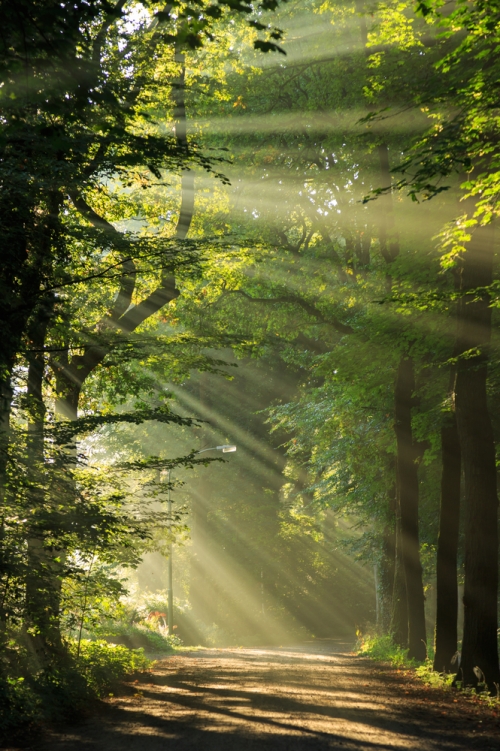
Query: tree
{"points": [[76, 79], [464, 143], [80, 92]]}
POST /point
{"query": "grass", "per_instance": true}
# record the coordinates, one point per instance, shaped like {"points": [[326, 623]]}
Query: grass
{"points": [[382, 648]]}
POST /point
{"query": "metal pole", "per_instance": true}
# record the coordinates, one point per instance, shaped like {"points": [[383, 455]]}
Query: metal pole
{"points": [[170, 591]]}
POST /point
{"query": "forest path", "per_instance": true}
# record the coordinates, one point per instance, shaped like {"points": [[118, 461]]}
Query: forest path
{"points": [[280, 699]]}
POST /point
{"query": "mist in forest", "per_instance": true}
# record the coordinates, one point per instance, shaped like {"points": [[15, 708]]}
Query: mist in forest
{"points": [[248, 571], [265, 557]]}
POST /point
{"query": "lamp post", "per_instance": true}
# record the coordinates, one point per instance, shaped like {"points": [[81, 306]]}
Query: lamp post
{"points": [[226, 448], [170, 591]]}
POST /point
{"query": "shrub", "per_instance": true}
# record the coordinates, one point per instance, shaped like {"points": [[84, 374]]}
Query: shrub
{"points": [[105, 665], [382, 648], [19, 705]]}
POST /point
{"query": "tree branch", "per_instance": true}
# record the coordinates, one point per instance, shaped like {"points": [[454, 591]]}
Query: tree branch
{"points": [[101, 36], [128, 278], [124, 317], [167, 291]]}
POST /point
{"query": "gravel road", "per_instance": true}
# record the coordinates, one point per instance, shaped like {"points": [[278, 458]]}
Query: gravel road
{"points": [[305, 699]]}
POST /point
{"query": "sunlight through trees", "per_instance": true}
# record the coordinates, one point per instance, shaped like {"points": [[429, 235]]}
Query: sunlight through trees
{"points": [[265, 224]]}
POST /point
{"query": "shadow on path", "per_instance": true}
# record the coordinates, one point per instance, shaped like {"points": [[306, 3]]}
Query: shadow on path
{"points": [[304, 698]]}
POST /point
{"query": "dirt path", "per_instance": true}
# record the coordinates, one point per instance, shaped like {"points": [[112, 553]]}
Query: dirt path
{"points": [[279, 699]]}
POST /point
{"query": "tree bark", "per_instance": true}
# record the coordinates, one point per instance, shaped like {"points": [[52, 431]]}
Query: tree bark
{"points": [[413, 633], [399, 614], [28, 234], [5, 410], [44, 565], [388, 563], [389, 249], [407, 473], [447, 551], [479, 661]]}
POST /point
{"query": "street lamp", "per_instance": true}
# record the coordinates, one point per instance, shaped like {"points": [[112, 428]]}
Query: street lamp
{"points": [[226, 448]]}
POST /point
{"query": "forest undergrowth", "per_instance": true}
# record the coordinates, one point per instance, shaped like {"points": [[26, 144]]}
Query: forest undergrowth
{"points": [[95, 664], [91, 671], [381, 648]]}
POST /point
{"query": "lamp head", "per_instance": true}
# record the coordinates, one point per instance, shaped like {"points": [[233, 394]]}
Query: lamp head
{"points": [[226, 448]]}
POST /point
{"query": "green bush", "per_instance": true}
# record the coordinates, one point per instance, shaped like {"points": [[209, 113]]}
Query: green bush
{"points": [[19, 705], [383, 648], [52, 693], [104, 665]]}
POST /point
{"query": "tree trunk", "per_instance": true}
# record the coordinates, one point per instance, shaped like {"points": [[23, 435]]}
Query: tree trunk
{"points": [[447, 551], [407, 538], [5, 410], [388, 563], [44, 569], [399, 614], [479, 650], [389, 249], [407, 473]]}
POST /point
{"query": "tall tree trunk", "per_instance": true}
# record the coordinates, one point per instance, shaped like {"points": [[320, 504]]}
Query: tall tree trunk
{"points": [[389, 249], [479, 649], [388, 563], [395, 612], [399, 613], [407, 471], [44, 569], [447, 551], [407, 536], [5, 410]]}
